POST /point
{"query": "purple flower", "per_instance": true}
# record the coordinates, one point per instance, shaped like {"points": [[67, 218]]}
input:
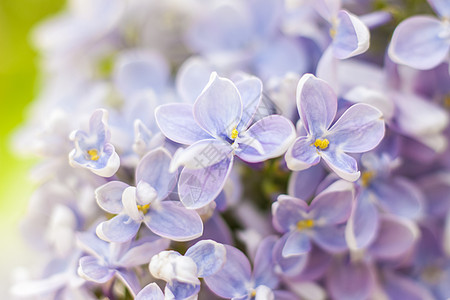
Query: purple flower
{"points": [[380, 191], [218, 127], [319, 221], [93, 150], [359, 129], [423, 42], [236, 279], [181, 273], [116, 259], [143, 204], [150, 292], [350, 36]]}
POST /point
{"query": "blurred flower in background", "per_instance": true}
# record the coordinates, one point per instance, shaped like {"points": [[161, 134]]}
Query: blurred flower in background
{"points": [[243, 149], [18, 86]]}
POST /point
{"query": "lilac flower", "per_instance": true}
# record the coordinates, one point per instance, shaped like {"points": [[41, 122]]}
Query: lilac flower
{"points": [[143, 204], [116, 259], [379, 190], [353, 276], [423, 42], [150, 292], [181, 273], [350, 36], [359, 129], [319, 221], [93, 150], [59, 281], [236, 280], [217, 128]]}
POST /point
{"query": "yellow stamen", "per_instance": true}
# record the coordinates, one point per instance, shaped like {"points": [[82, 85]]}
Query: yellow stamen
{"points": [[447, 101], [333, 32], [322, 144], [234, 134], [143, 208], [93, 153], [253, 293], [305, 224], [366, 178]]}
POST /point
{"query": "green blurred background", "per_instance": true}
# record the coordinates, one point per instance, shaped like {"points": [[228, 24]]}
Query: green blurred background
{"points": [[18, 87]]}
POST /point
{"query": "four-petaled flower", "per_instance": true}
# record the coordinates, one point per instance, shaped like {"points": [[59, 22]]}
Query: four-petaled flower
{"points": [[93, 150], [217, 127], [359, 129]]}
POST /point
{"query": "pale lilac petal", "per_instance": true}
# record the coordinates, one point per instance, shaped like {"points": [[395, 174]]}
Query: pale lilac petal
{"points": [[109, 196], [401, 287], [181, 290], [416, 42], [216, 228], [138, 70], [177, 123], [143, 251], [92, 270], [399, 196], [342, 164], [441, 7], [170, 219], [297, 243], [316, 266], [218, 109], [302, 154], [376, 18], [192, 77], [119, 229], [201, 154], [287, 266], [88, 242], [352, 36], [303, 184], [332, 207], [198, 188], [98, 126], [154, 170], [363, 223], [208, 255], [130, 279], [330, 238], [395, 237], [274, 134], [328, 9], [350, 281], [264, 266], [250, 90], [150, 292], [234, 278], [287, 211], [282, 56], [129, 202], [359, 129], [316, 103]]}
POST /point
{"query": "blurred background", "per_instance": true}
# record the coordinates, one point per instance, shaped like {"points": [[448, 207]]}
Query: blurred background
{"points": [[18, 87]]}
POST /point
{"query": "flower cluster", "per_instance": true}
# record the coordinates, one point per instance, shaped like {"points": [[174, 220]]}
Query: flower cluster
{"points": [[257, 149]]}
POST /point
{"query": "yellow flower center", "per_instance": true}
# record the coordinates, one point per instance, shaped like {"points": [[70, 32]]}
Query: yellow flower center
{"points": [[93, 153], [305, 224], [322, 144], [366, 178], [143, 208], [332, 32], [253, 293], [234, 134], [447, 101]]}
